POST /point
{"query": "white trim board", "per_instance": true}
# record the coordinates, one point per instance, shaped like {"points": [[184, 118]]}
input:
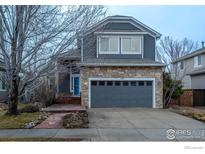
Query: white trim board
{"points": [[120, 45], [122, 79]]}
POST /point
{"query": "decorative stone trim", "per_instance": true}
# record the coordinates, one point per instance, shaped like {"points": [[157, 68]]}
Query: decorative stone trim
{"points": [[122, 72]]}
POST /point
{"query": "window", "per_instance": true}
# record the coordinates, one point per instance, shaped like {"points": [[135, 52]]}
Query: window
{"points": [[141, 83], [2, 83], [101, 83], [181, 65], [109, 45], [109, 83], [133, 83], [117, 83], [131, 45], [94, 83], [120, 44], [197, 61], [149, 83], [125, 83]]}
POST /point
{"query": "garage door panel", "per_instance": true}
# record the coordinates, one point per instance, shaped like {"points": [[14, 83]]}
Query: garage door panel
{"points": [[121, 96]]}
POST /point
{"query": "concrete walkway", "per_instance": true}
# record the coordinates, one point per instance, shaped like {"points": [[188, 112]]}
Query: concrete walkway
{"points": [[125, 125], [103, 134]]}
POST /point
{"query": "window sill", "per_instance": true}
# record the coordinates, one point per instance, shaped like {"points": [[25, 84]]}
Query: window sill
{"points": [[107, 53], [197, 66], [131, 53]]}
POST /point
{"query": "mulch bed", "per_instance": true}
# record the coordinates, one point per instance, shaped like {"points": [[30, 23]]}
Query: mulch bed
{"points": [[76, 120]]}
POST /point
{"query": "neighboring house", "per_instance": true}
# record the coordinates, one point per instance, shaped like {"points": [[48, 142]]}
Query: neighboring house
{"points": [[3, 93], [191, 69], [113, 66]]}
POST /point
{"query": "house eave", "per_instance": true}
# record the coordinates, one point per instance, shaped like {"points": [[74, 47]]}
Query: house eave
{"points": [[92, 28], [196, 53], [117, 64]]}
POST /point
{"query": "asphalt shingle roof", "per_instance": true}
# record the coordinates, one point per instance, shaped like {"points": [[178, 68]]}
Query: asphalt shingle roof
{"points": [[192, 54], [198, 71], [120, 62]]}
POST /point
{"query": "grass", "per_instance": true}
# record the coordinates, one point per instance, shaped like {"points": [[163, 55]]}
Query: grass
{"points": [[16, 121], [40, 139]]}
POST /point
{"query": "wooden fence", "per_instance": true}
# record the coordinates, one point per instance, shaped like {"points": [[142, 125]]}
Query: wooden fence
{"points": [[190, 98], [198, 97]]}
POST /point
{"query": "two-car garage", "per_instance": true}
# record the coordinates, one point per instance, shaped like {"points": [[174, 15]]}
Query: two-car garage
{"points": [[108, 93]]}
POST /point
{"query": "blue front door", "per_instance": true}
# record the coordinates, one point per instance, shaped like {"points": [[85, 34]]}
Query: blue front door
{"points": [[76, 86]]}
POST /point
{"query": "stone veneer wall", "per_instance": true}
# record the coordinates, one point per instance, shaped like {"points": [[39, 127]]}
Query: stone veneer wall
{"points": [[122, 72]]}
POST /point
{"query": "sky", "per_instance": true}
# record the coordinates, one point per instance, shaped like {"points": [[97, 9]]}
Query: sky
{"points": [[175, 21]]}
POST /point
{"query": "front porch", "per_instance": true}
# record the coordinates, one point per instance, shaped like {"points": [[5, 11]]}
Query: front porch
{"points": [[67, 80]]}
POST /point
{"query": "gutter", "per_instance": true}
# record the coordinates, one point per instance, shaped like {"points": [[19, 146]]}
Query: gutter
{"points": [[117, 64]]}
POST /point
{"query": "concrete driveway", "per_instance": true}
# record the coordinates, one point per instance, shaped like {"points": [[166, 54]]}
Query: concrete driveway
{"points": [[140, 124]]}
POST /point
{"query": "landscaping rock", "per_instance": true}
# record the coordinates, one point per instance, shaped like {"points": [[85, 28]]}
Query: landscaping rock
{"points": [[37, 121], [76, 120]]}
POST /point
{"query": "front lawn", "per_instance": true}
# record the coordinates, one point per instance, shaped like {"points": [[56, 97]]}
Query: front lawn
{"points": [[197, 113], [17, 121], [22, 120]]}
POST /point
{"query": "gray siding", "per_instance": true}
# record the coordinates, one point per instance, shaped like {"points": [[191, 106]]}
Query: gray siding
{"points": [[3, 96], [120, 26], [90, 46], [90, 43], [64, 83], [198, 82], [188, 68], [149, 47]]}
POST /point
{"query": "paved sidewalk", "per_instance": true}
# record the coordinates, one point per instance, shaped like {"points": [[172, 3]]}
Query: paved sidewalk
{"points": [[53, 121], [94, 134]]}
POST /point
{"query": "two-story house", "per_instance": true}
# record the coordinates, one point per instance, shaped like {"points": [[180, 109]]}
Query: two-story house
{"points": [[191, 69], [113, 66]]}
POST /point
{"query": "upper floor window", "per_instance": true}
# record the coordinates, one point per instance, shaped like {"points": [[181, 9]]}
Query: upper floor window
{"points": [[109, 45], [120, 44], [197, 61], [131, 45]]}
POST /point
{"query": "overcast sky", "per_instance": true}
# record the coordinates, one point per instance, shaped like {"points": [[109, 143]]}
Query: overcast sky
{"points": [[175, 21]]}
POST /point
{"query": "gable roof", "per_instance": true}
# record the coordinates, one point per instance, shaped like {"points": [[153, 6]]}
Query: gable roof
{"points": [[129, 19], [190, 55]]}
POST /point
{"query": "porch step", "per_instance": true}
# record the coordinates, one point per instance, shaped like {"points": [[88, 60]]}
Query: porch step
{"points": [[68, 100]]}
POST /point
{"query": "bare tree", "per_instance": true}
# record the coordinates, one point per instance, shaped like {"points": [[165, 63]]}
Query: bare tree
{"points": [[168, 50], [31, 35]]}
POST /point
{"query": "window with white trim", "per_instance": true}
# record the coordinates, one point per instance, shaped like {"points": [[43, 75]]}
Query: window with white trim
{"points": [[109, 44], [131, 45], [197, 61], [2, 83]]}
